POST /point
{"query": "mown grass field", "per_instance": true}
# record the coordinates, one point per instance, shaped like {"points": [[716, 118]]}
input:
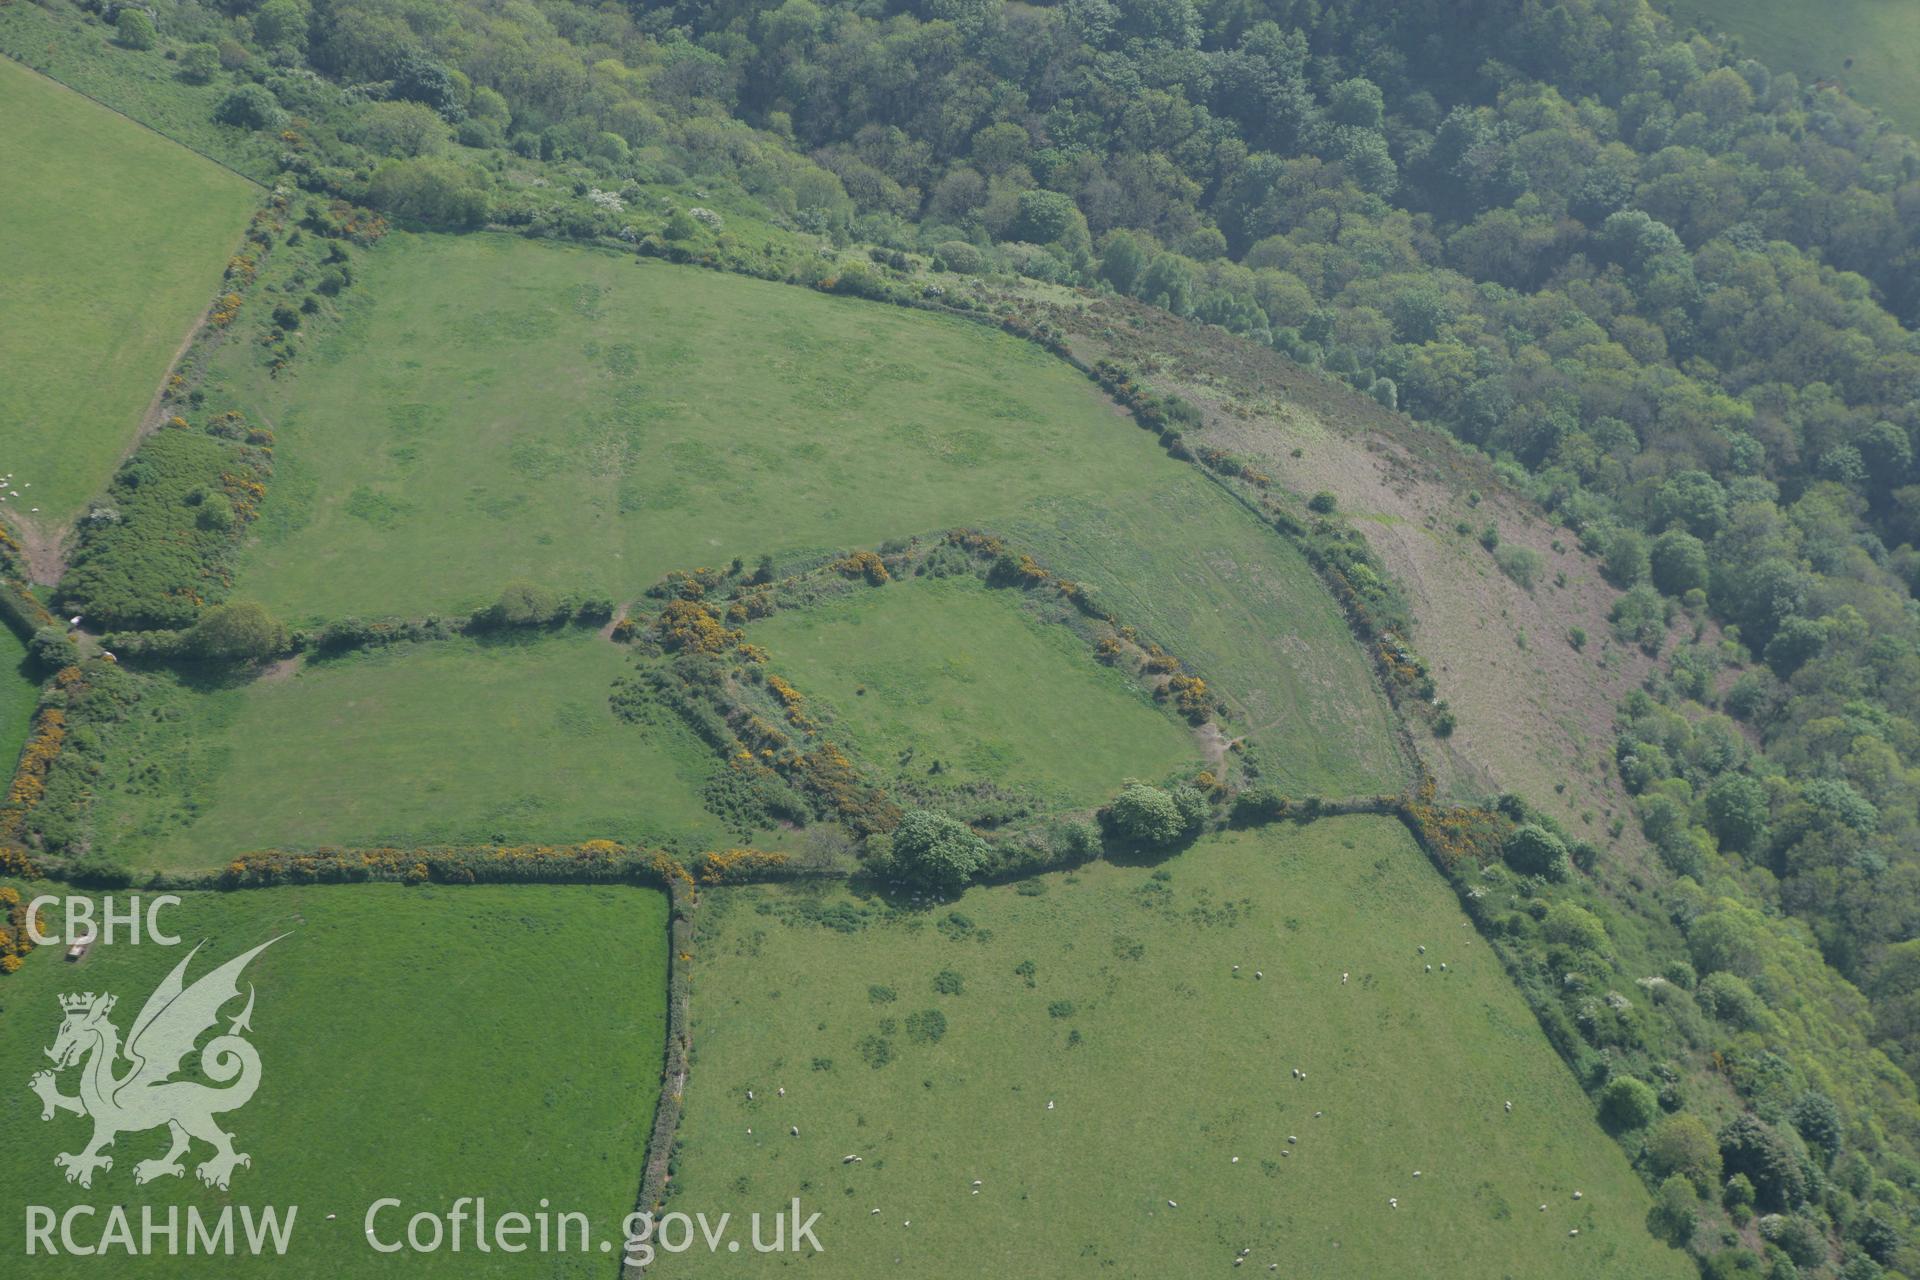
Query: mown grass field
{"points": [[116, 239], [423, 1043], [1162, 1065], [1881, 39], [494, 408], [951, 673], [447, 742], [1222, 592]]}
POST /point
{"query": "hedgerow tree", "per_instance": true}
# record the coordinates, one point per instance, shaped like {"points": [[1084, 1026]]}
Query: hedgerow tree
{"points": [[523, 603], [1146, 816], [937, 851], [237, 632]]}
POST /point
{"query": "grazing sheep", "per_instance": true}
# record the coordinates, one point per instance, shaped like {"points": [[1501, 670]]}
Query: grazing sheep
{"points": [[749, 1095], [783, 1093], [1172, 1205], [849, 1159], [1509, 1108], [1343, 979], [1258, 974], [1049, 1104], [1578, 1196], [1423, 950], [794, 1130], [1429, 968]]}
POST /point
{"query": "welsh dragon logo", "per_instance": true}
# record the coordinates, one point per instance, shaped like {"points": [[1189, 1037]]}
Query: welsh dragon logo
{"points": [[145, 1095]]}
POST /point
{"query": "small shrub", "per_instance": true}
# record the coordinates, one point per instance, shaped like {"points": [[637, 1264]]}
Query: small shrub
{"points": [[1522, 564], [926, 1027]]}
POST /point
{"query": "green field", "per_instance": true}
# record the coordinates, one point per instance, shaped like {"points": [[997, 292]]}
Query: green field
{"points": [[962, 675], [1881, 39], [115, 240], [493, 407], [447, 742], [423, 1044], [1200, 575], [1163, 1065]]}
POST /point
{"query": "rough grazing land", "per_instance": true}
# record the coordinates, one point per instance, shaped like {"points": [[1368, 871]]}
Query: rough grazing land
{"points": [[115, 240], [423, 1043], [951, 675], [1111, 993], [447, 742]]}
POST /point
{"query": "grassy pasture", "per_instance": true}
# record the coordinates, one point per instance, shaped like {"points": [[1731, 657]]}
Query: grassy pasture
{"points": [[116, 239], [1881, 38], [423, 1043], [1163, 1065], [453, 741], [959, 673], [1221, 591], [492, 407]]}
